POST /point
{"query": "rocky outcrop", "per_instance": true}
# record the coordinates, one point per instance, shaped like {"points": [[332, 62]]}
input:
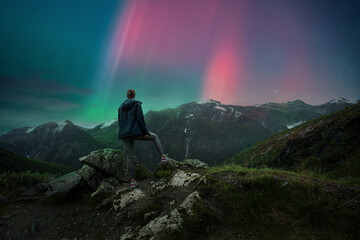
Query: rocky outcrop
{"points": [[165, 224], [109, 161], [172, 164], [102, 172], [107, 185], [63, 184], [181, 178], [128, 198]]}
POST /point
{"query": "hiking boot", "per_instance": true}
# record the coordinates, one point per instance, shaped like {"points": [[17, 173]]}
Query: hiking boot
{"points": [[164, 159], [133, 185]]}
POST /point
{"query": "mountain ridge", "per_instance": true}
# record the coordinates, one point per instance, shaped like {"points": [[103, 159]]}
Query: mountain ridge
{"points": [[209, 131], [328, 145]]}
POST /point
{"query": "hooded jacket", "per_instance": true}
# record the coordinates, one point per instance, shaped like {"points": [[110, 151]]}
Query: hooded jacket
{"points": [[131, 119]]}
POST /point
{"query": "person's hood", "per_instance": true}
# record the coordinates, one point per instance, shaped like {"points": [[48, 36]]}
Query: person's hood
{"points": [[129, 103]]}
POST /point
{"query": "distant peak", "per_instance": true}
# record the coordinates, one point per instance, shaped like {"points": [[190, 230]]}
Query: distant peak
{"points": [[68, 122], [108, 123], [339, 100], [296, 101], [211, 101]]}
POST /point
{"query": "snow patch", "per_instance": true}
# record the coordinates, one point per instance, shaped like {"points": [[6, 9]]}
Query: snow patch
{"points": [[29, 130], [237, 114], [189, 115], [220, 108], [292, 125], [108, 123], [339, 100], [60, 126], [213, 101]]}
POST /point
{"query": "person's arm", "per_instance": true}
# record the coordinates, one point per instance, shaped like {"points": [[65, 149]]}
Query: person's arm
{"points": [[140, 119]]}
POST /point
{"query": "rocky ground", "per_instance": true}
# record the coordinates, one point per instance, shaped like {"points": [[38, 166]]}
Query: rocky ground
{"points": [[69, 208], [180, 200]]}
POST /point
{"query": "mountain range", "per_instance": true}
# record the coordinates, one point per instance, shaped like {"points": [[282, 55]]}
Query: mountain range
{"points": [[210, 131]]}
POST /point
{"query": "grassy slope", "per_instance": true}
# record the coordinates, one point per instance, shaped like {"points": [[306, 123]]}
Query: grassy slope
{"points": [[328, 145], [243, 203], [13, 162]]}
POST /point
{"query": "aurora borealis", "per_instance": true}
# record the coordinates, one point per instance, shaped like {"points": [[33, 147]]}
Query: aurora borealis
{"points": [[76, 59]]}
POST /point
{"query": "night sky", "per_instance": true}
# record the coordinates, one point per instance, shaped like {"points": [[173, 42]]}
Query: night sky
{"points": [[76, 59]]}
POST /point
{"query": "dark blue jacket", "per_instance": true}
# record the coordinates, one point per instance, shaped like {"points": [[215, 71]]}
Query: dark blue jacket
{"points": [[131, 119]]}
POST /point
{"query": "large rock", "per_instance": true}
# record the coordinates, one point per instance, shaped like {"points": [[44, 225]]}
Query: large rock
{"points": [[63, 184], [193, 163], [110, 161], [92, 177], [183, 179], [164, 224], [107, 185], [172, 164], [128, 198]]}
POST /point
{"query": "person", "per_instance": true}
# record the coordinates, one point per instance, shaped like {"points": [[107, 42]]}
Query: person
{"points": [[132, 127]]}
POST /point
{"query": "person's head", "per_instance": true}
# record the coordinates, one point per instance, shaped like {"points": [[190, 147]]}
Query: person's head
{"points": [[130, 93]]}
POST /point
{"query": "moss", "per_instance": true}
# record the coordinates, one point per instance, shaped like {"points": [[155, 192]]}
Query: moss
{"points": [[162, 173], [141, 172]]}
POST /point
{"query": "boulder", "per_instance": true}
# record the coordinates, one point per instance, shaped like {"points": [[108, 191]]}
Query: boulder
{"points": [[107, 185], [63, 184], [110, 161], [92, 177], [172, 164], [188, 203], [128, 198], [193, 163], [183, 179], [164, 224]]}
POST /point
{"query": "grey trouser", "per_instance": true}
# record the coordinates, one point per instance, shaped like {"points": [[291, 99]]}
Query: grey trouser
{"points": [[129, 149]]}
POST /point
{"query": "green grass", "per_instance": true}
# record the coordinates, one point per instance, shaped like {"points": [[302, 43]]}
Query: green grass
{"points": [[13, 162], [11, 181], [141, 172], [331, 148], [263, 209], [254, 204]]}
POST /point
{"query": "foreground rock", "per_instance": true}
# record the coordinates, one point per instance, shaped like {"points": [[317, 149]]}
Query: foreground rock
{"points": [[103, 171], [109, 161], [172, 164], [165, 224]]}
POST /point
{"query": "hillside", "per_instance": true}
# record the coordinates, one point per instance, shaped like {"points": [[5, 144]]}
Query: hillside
{"points": [[13, 162], [328, 145]]}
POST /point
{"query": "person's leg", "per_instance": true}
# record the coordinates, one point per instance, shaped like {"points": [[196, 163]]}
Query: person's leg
{"points": [[152, 137], [129, 149], [157, 143]]}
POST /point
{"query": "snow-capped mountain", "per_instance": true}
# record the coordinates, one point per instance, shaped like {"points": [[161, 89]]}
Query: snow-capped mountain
{"points": [[210, 131], [59, 142]]}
